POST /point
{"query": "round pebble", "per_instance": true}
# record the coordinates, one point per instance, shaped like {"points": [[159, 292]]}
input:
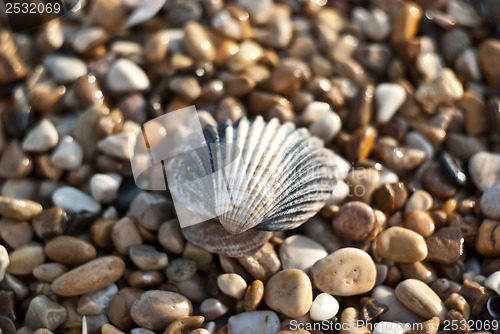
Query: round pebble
{"points": [[69, 250], [64, 68], [104, 187], [256, 322], [74, 200], [48, 272], [389, 99], [354, 221], [290, 292], [124, 76], [181, 269], [420, 222], [490, 202], [346, 272], [300, 252], [232, 285], [400, 244], [419, 200], [146, 257], [156, 309], [24, 259], [484, 169], [253, 296], [41, 138], [4, 262], [324, 307], [212, 308], [421, 299]]}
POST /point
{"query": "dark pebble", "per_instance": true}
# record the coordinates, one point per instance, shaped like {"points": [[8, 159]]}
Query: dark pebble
{"points": [[7, 326], [7, 305], [133, 107], [452, 168], [443, 287], [50, 222], [436, 183], [445, 246], [17, 119], [181, 269], [494, 111], [371, 309], [476, 295], [493, 306], [452, 271]]}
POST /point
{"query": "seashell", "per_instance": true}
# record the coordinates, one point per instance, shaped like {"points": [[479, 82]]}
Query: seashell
{"points": [[254, 177]]}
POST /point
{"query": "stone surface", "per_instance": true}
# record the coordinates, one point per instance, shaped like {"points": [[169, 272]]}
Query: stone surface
{"points": [[119, 307], [420, 222], [198, 43], [300, 252], [346, 272], [25, 258], [90, 276], [419, 200], [389, 98], [69, 250], [421, 299], [324, 307], [156, 309], [289, 292], [124, 76], [41, 138], [44, 313], [354, 221], [14, 163], [476, 295], [253, 296], [327, 127], [445, 246], [263, 264], [400, 244], [151, 210], [50, 222], [181, 269], [170, 237], [256, 322], [116, 146], [484, 169], [490, 202]]}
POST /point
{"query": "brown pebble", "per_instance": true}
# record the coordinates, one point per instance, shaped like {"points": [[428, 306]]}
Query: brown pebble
{"points": [[354, 221], [119, 307], [457, 302], [476, 115], [45, 168], [183, 324], [110, 329], [15, 233], [48, 272], [489, 55], [101, 232], [445, 246], [50, 222], [125, 234], [420, 222], [86, 306], [253, 296], [197, 42], [262, 264], [69, 250], [90, 276], [422, 271], [14, 163], [421, 299], [21, 209], [405, 27], [476, 295], [24, 259], [400, 244], [436, 183], [455, 317], [488, 238]]}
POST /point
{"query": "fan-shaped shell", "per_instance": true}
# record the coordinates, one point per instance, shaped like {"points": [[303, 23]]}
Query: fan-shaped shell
{"points": [[258, 174]]}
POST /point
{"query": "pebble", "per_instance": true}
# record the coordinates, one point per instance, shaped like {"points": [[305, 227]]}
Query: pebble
{"points": [[119, 307], [90, 276], [87, 306], [87, 38], [68, 154], [125, 234], [44, 313], [14, 163], [345, 272], [50, 222], [256, 322], [488, 53], [170, 237], [24, 259], [197, 42], [361, 143], [419, 200], [327, 127], [212, 308], [488, 238], [253, 296], [156, 309], [232, 285], [400, 244], [41, 137], [74, 200], [116, 145], [354, 221], [181, 269], [476, 295], [490, 202], [4, 262], [146, 257], [457, 302], [151, 210], [445, 246], [15, 233], [262, 264], [48, 272], [451, 168], [65, 68], [406, 22], [183, 324], [484, 169], [362, 183], [444, 89], [124, 76], [324, 307], [300, 252], [389, 98], [186, 88], [69, 250], [421, 299], [104, 187], [420, 222]]}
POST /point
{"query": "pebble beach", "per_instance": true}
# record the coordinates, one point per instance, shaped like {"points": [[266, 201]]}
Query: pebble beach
{"points": [[404, 94]]}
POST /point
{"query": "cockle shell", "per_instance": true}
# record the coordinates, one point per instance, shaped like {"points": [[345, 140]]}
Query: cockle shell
{"points": [[255, 176]]}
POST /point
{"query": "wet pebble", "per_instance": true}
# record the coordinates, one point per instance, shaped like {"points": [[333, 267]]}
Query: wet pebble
{"points": [[24, 259], [74, 200], [253, 296], [198, 43], [400, 244], [476, 295], [50, 222], [68, 154], [420, 222], [156, 309], [300, 252], [69, 250], [289, 292], [490, 202], [124, 76], [346, 272], [146, 257], [44, 313], [65, 68], [256, 322], [354, 221], [420, 298], [324, 307], [41, 138]]}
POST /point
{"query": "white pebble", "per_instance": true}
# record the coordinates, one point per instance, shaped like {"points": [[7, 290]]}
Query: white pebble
{"points": [[339, 193], [117, 145], [256, 322], [212, 308], [41, 138], [232, 285], [493, 282], [124, 76], [324, 307], [4, 262], [104, 187], [387, 176], [65, 69], [327, 127], [385, 327], [300, 252], [389, 98], [68, 154], [490, 202], [74, 200]]}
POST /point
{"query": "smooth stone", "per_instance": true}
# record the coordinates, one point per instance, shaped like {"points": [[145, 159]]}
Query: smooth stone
{"points": [[11, 283], [300, 252], [232, 285], [445, 246], [313, 112], [262, 264], [64, 68], [44, 313], [50, 222], [212, 308], [375, 24], [484, 169], [444, 89], [416, 140], [260, 10], [87, 38], [324, 307], [68, 154], [476, 295], [419, 200], [119, 307], [354, 221], [327, 127], [488, 54], [41, 138], [345, 272], [181, 269], [125, 234], [116, 145], [463, 147], [124, 76], [48, 272], [457, 302], [69, 250], [74, 200], [253, 296], [420, 298], [90, 276], [198, 43], [389, 98], [256, 322], [400, 244], [339, 193], [4, 262], [290, 292], [146, 257], [493, 281], [26, 188], [156, 309], [170, 236], [490, 202], [362, 183], [14, 163], [8, 327], [151, 209], [87, 306], [488, 238], [420, 222], [194, 288], [15, 233], [452, 169], [24, 259], [104, 187]]}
